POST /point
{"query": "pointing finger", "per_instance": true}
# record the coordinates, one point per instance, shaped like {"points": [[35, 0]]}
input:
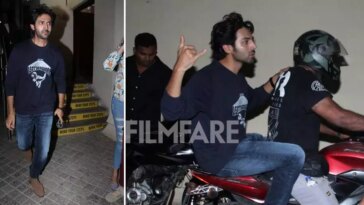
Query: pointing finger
{"points": [[181, 41]]}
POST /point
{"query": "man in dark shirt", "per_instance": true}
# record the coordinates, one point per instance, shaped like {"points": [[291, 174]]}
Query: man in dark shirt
{"points": [[301, 100], [34, 81], [219, 95], [147, 77]]}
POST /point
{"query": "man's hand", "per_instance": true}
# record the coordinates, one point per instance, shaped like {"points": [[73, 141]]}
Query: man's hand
{"points": [[270, 84], [59, 113], [10, 121], [342, 136], [276, 76], [187, 55]]}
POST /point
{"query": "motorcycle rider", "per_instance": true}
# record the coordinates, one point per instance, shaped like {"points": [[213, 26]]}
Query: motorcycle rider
{"points": [[301, 101], [219, 93]]}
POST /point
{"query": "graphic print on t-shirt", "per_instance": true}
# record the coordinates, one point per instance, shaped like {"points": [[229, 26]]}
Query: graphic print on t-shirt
{"points": [[239, 109], [38, 71], [277, 99], [317, 86]]}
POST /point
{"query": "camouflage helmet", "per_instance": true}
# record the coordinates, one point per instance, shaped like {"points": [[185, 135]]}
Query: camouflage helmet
{"points": [[320, 51]]}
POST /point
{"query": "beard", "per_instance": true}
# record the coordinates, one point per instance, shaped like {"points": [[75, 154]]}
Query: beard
{"points": [[244, 56], [244, 59], [42, 34]]}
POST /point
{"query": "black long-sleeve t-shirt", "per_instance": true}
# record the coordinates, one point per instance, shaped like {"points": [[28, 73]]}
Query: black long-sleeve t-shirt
{"points": [[34, 77], [217, 101]]}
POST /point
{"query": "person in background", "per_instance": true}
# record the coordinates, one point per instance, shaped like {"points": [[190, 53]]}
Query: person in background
{"points": [[147, 78], [114, 63], [35, 79]]}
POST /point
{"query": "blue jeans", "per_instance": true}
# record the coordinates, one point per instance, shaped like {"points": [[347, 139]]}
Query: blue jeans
{"points": [[118, 114], [41, 126], [256, 155]]}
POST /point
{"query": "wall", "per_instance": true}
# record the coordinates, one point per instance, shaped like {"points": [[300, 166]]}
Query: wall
{"points": [[278, 23], [64, 22], [74, 3], [109, 26]]}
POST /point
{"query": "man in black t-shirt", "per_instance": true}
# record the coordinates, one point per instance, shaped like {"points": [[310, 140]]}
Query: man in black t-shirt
{"points": [[298, 103]]}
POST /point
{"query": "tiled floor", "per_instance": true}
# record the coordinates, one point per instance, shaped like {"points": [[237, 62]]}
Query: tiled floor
{"points": [[77, 174]]}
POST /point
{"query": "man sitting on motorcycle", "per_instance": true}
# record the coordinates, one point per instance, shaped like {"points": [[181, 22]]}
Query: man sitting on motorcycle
{"points": [[301, 101], [219, 93]]}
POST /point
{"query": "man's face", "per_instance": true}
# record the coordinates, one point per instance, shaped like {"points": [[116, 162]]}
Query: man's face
{"points": [[145, 56], [42, 27], [244, 46]]}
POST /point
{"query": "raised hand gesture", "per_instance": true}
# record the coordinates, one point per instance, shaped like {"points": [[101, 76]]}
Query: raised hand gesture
{"points": [[187, 55]]}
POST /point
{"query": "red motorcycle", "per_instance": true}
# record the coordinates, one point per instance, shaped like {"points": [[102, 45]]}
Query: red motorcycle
{"points": [[346, 176]]}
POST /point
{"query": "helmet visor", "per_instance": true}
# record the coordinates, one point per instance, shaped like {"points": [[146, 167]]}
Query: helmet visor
{"points": [[339, 57]]}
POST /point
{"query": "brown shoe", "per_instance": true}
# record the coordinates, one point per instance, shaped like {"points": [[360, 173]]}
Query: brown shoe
{"points": [[37, 187], [28, 155]]}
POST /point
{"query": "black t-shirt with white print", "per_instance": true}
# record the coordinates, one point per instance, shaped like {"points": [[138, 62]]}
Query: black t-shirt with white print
{"points": [[35, 75], [291, 118], [217, 102]]}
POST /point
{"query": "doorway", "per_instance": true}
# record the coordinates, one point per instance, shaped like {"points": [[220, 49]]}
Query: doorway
{"points": [[83, 44]]}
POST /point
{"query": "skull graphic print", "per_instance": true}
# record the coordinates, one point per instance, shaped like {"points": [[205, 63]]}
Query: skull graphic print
{"points": [[38, 71]]}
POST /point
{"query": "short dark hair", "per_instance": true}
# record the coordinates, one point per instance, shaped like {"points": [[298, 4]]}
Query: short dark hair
{"points": [[224, 33], [42, 9], [145, 40]]}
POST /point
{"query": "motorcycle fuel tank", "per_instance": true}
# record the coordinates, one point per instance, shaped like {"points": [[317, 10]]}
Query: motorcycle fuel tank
{"points": [[344, 157]]}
